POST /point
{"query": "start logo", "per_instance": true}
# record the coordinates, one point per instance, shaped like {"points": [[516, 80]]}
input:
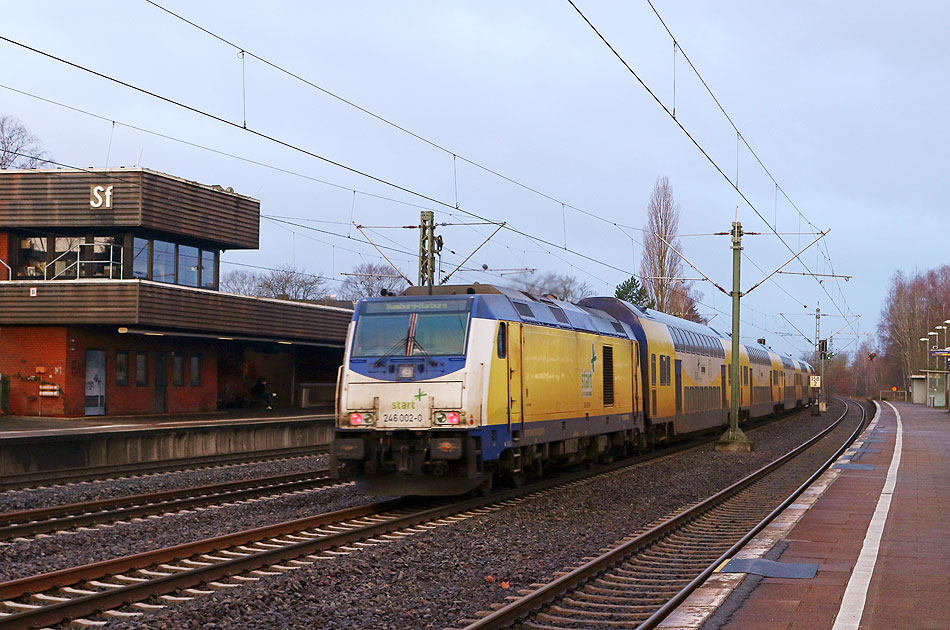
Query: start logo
{"points": [[399, 404], [587, 376]]}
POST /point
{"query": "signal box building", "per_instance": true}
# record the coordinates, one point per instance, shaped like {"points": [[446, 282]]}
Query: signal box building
{"points": [[109, 301]]}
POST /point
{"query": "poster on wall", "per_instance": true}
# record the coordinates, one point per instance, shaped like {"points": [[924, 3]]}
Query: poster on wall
{"points": [[95, 382]]}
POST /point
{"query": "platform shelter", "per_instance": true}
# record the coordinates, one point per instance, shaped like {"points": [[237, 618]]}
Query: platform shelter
{"points": [[110, 301]]}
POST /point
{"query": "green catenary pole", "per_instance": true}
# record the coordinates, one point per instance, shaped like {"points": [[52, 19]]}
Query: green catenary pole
{"points": [[734, 439]]}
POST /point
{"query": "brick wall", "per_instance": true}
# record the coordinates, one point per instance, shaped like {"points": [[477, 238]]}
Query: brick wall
{"points": [[30, 356], [141, 399], [5, 255]]}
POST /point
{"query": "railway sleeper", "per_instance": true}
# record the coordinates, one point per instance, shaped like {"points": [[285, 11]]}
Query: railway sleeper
{"points": [[628, 608], [638, 590], [638, 581], [674, 556], [609, 599], [661, 567], [588, 613], [589, 622], [620, 593]]}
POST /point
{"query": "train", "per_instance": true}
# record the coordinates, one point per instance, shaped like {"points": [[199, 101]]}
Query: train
{"points": [[446, 389]]}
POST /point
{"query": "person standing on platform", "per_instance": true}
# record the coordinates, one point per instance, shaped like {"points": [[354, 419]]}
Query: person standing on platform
{"points": [[259, 390]]}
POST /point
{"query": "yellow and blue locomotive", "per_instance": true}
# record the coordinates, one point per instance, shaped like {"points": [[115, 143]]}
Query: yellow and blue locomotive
{"points": [[441, 393]]}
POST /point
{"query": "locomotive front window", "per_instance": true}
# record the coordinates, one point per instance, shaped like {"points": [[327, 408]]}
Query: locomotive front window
{"points": [[397, 328], [441, 334], [378, 335]]}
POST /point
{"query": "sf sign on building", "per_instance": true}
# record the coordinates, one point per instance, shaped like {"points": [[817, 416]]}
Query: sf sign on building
{"points": [[100, 197]]}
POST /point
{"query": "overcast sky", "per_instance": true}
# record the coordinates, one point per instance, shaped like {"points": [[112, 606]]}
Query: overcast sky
{"points": [[844, 103]]}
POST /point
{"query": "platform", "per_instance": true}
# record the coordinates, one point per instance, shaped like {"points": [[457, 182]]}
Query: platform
{"points": [[20, 427], [875, 528], [29, 445]]}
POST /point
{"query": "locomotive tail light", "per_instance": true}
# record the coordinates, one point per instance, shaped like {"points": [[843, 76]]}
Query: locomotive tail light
{"points": [[356, 419], [452, 417]]}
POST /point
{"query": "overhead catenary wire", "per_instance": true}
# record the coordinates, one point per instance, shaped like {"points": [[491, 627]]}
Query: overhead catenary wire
{"points": [[735, 185], [328, 160], [621, 227], [778, 187]]}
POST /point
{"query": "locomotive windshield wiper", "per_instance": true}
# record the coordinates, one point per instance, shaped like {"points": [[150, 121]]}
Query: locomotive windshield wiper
{"points": [[400, 344], [416, 344]]}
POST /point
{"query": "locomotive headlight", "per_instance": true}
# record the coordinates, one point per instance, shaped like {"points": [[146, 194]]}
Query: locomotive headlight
{"points": [[407, 371], [359, 419], [447, 417]]}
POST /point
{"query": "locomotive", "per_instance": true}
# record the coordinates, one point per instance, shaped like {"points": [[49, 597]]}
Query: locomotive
{"points": [[444, 389]]}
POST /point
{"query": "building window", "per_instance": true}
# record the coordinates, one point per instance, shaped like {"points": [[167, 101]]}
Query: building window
{"points": [[178, 369], [163, 261], [195, 370], [31, 259], [121, 367], [140, 258], [188, 265], [141, 369], [207, 269], [65, 254], [102, 258]]}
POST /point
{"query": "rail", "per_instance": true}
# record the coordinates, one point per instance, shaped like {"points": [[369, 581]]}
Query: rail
{"points": [[110, 262], [517, 610]]}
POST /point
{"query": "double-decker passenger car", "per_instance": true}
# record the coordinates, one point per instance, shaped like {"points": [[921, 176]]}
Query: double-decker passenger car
{"points": [[441, 393]]}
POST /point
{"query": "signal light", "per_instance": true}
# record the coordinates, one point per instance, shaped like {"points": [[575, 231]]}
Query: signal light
{"points": [[871, 355]]}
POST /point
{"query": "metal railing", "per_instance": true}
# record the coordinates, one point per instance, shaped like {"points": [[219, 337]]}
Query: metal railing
{"points": [[9, 271], [114, 267]]}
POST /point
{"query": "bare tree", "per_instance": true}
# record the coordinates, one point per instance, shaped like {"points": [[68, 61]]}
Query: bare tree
{"points": [[241, 282], [18, 147], [285, 283], [661, 267], [563, 286], [290, 283], [370, 279], [913, 307]]}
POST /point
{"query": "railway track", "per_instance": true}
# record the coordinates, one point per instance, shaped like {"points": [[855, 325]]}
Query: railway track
{"points": [[59, 517], [131, 586], [50, 478], [644, 578]]}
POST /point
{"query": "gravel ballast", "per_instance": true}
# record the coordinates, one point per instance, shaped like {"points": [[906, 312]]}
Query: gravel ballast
{"points": [[436, 578], [79, 492], [22, 558]]}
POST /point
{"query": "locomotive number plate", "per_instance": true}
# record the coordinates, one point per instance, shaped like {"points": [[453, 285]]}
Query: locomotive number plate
{"points": [[403, 417]]}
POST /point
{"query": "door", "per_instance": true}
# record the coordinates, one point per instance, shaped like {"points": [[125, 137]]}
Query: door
{"points": [[161, 382], [678, 375], [515, 379], [95, 382]]}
